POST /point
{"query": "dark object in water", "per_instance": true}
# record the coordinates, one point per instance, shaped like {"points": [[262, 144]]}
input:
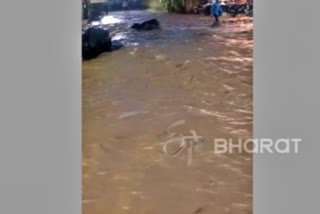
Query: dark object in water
{"points": [[116, 45], [97, 14], [95, 41], [246, 9], [151, 24]]}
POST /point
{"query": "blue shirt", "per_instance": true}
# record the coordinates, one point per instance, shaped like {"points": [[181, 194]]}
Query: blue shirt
{"points": [[216, 9]]}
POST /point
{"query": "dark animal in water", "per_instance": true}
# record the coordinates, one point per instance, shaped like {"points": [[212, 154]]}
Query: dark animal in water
{"points": [[95, 40], [151, 24]]}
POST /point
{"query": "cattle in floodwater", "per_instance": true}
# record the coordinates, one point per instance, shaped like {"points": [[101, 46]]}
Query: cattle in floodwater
{"points": [[95, 41], [151, 24]]}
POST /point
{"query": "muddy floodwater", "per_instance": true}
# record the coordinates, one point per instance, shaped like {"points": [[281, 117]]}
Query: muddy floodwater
{"points": [[160, 85]]}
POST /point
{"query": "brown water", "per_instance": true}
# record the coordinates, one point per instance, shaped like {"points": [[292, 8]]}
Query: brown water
{"points": [[186, 72]]}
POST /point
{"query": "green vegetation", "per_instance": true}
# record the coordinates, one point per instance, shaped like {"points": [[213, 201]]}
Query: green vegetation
{"points": [[155, 5], [174, 5]]}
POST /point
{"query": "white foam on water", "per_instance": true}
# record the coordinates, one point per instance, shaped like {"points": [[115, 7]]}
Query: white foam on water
{"points": [[131, 113]]}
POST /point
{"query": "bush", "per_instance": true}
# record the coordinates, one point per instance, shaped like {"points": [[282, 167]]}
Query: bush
{"points": [[174, 5]]}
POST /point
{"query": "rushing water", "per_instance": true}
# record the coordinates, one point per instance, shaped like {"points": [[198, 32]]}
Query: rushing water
{"points": [[186, 71]]}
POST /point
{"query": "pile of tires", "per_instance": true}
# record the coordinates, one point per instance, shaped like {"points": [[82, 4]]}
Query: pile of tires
{"points": [[236, 9]]}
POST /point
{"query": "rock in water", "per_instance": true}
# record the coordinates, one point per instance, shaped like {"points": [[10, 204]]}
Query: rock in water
{"points": [[151, 24], [95, 40]]}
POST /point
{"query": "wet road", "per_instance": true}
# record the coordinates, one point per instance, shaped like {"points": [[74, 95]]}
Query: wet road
{"points": [[186, 72]]}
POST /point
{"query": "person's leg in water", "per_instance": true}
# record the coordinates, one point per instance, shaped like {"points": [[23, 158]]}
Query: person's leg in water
{"points": [[216, 17], [216, 20]]}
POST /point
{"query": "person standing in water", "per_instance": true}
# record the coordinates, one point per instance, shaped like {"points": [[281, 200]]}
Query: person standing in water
{"points": [[125, 6], [216, 11]]}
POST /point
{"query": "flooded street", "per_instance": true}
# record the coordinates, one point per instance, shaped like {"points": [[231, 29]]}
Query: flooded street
{"points": [[186, 74]]}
